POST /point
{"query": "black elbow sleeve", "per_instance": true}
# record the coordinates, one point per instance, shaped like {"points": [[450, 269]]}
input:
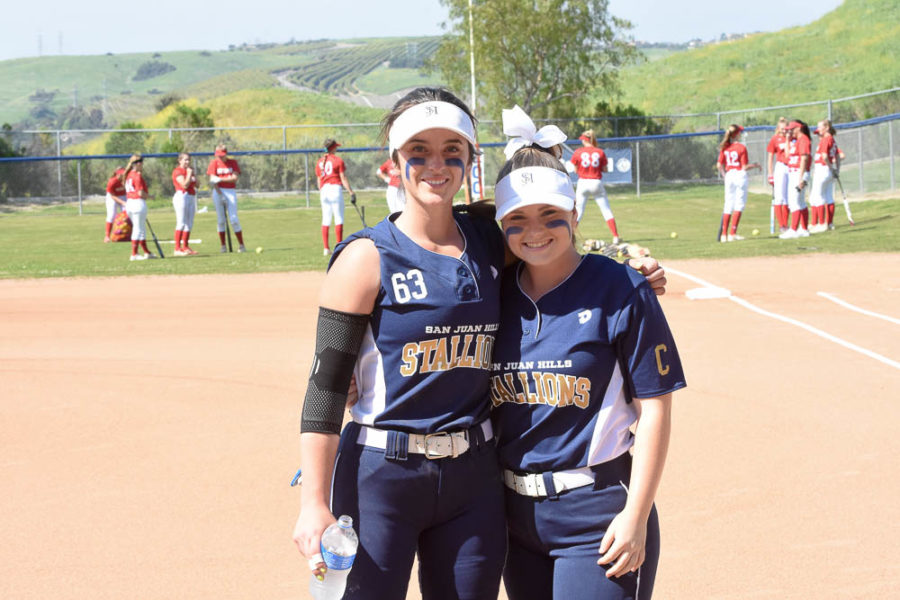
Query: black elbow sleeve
{"points": [[339, 336]]}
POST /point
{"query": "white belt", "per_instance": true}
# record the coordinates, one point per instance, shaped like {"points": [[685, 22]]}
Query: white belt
{"points": [[532, 484], [443, 444]]}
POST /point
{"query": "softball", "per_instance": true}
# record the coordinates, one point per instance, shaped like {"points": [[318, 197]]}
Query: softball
{"points": [[673, 235], [259, 249], [755, 232]]}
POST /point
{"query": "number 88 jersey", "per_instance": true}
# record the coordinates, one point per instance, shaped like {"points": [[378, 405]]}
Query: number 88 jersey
{"points": [[590, 162], [425, 360]]}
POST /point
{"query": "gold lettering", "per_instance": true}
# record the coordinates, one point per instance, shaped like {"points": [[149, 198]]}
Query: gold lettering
{"points": [[583, 392], [454, 352], [409, 359], [440, 362], [548, 387], [663, 370], [465, 359], [523, 380], [565, 385], [426, 347]]}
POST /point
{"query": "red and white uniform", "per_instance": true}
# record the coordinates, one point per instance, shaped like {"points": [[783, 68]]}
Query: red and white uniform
{"points": [[185, 199], [135, 205], [822, 191], [733, 160], [331, 189], [797, 149], [778, 146], [589, 163], [114, 189], [223, 192], [394, 194]]}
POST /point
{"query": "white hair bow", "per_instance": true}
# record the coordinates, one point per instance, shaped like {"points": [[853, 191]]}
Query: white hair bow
{"points": [[521, 129]]}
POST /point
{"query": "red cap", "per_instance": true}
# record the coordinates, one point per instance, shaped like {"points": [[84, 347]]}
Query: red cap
{"points": [[221, 152], [740, 128], [794, 125], [816, 131], [120, 171]]}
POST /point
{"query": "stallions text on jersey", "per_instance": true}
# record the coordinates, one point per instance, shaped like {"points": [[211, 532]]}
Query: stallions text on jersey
{"points": [[564, 379], [425, 358]]}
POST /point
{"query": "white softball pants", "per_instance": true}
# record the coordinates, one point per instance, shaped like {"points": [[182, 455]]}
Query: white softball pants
{"points": [[736, 184], [396, 199], [225, 200], [112, 207], [822, 192], [137, 212], [780, 181], [185, 208], [796, 198], [592, 188], [331, 196]]}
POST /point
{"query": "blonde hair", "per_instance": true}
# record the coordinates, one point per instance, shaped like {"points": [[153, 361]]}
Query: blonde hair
{"points": [[135, 158], [828, 127], [592, 139], [730, 133]]}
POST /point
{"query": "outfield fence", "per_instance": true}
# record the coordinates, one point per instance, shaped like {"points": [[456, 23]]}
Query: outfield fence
{"points": [[286, 163]]}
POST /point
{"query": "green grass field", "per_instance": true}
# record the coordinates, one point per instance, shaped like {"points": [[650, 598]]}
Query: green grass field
{"points": [[55, 241]]}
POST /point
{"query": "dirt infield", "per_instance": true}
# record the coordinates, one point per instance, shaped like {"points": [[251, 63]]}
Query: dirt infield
{"points": [[150, 430]]}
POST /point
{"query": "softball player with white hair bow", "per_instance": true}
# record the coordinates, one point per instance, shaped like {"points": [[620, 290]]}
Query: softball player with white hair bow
{"points": [[575, 366], [410, 307]]}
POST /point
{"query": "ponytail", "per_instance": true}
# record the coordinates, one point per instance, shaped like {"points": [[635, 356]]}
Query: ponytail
{"points": [[732, 131], [135, 158]]}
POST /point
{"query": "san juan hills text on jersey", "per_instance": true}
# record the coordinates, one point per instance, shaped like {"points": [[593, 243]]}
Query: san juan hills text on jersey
{"points": [[460, 346]]}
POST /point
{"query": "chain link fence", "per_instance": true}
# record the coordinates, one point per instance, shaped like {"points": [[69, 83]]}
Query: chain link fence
{"points": [[59, 166]]}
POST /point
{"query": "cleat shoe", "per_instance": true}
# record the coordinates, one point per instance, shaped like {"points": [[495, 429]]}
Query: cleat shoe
{"points": [[106, 240], [802, 233], [150, 255], [138, 257], [189, 251], [787, 234], [326, 251], [782, 230], [223, 249], [242, 249], [831, 227], [733, 237], [616, 239], [180, 253]]}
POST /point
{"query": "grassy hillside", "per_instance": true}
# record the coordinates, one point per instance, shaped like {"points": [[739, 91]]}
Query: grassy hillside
{"points": [[48, 85], [851, 50]]}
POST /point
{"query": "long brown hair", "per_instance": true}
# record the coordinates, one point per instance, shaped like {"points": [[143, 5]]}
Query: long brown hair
{"points": [[730, 133], [829, 128], [135, 158], [589, 134]]}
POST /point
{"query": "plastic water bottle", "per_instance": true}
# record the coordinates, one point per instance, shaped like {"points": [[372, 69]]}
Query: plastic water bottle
{"points": [[338, 547]]}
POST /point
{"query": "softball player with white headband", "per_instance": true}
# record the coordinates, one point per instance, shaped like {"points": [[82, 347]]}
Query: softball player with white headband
{"points": [[410, 307], [184, 201], [574, 368], [798, 178]]}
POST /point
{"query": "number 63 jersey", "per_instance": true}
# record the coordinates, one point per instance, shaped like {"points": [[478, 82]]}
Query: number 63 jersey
{"points": [[567, 367], [424, 365]]}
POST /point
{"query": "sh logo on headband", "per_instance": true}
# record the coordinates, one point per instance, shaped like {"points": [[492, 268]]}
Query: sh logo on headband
{"points": [[431, 111], [527, 178]]}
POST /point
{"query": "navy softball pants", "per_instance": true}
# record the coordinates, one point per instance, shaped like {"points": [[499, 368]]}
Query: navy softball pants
{"points": [[554, 542], [449, 510]]}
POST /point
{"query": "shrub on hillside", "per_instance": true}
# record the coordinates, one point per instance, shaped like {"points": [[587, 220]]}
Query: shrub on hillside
{"points": [[151, 69]]}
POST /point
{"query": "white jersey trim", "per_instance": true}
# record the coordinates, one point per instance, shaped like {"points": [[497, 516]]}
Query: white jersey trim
{"points": [[369, 373], [612, 437]]}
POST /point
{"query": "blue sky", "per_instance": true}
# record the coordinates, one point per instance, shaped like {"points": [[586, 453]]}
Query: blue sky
{"points": [[100, 26]]}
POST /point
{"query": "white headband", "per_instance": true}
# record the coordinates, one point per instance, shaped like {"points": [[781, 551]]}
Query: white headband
{"points": [[518, 125], [533, 185], [430, 115]]}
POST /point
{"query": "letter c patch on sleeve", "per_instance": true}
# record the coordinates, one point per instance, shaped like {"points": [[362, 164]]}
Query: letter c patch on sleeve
{"points": [[663, 369]]}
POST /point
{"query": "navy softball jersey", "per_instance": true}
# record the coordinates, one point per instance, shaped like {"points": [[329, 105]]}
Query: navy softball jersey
{"points": [[425, 359], [424, 368], [567, 367]]}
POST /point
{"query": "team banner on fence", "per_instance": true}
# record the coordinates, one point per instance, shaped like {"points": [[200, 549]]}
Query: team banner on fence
{"points": [[618, 165]]}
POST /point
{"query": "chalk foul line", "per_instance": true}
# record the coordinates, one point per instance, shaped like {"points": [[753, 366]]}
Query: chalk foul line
{"points": [[837, 300], [795, 322]]}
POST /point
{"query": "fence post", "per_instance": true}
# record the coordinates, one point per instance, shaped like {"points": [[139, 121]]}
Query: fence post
{"points": [[80, 207], [306, 175], [284, 155], [718, 121], [637, 162], [891, 149], [59, 164], [860, 146], [829, 109]]}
